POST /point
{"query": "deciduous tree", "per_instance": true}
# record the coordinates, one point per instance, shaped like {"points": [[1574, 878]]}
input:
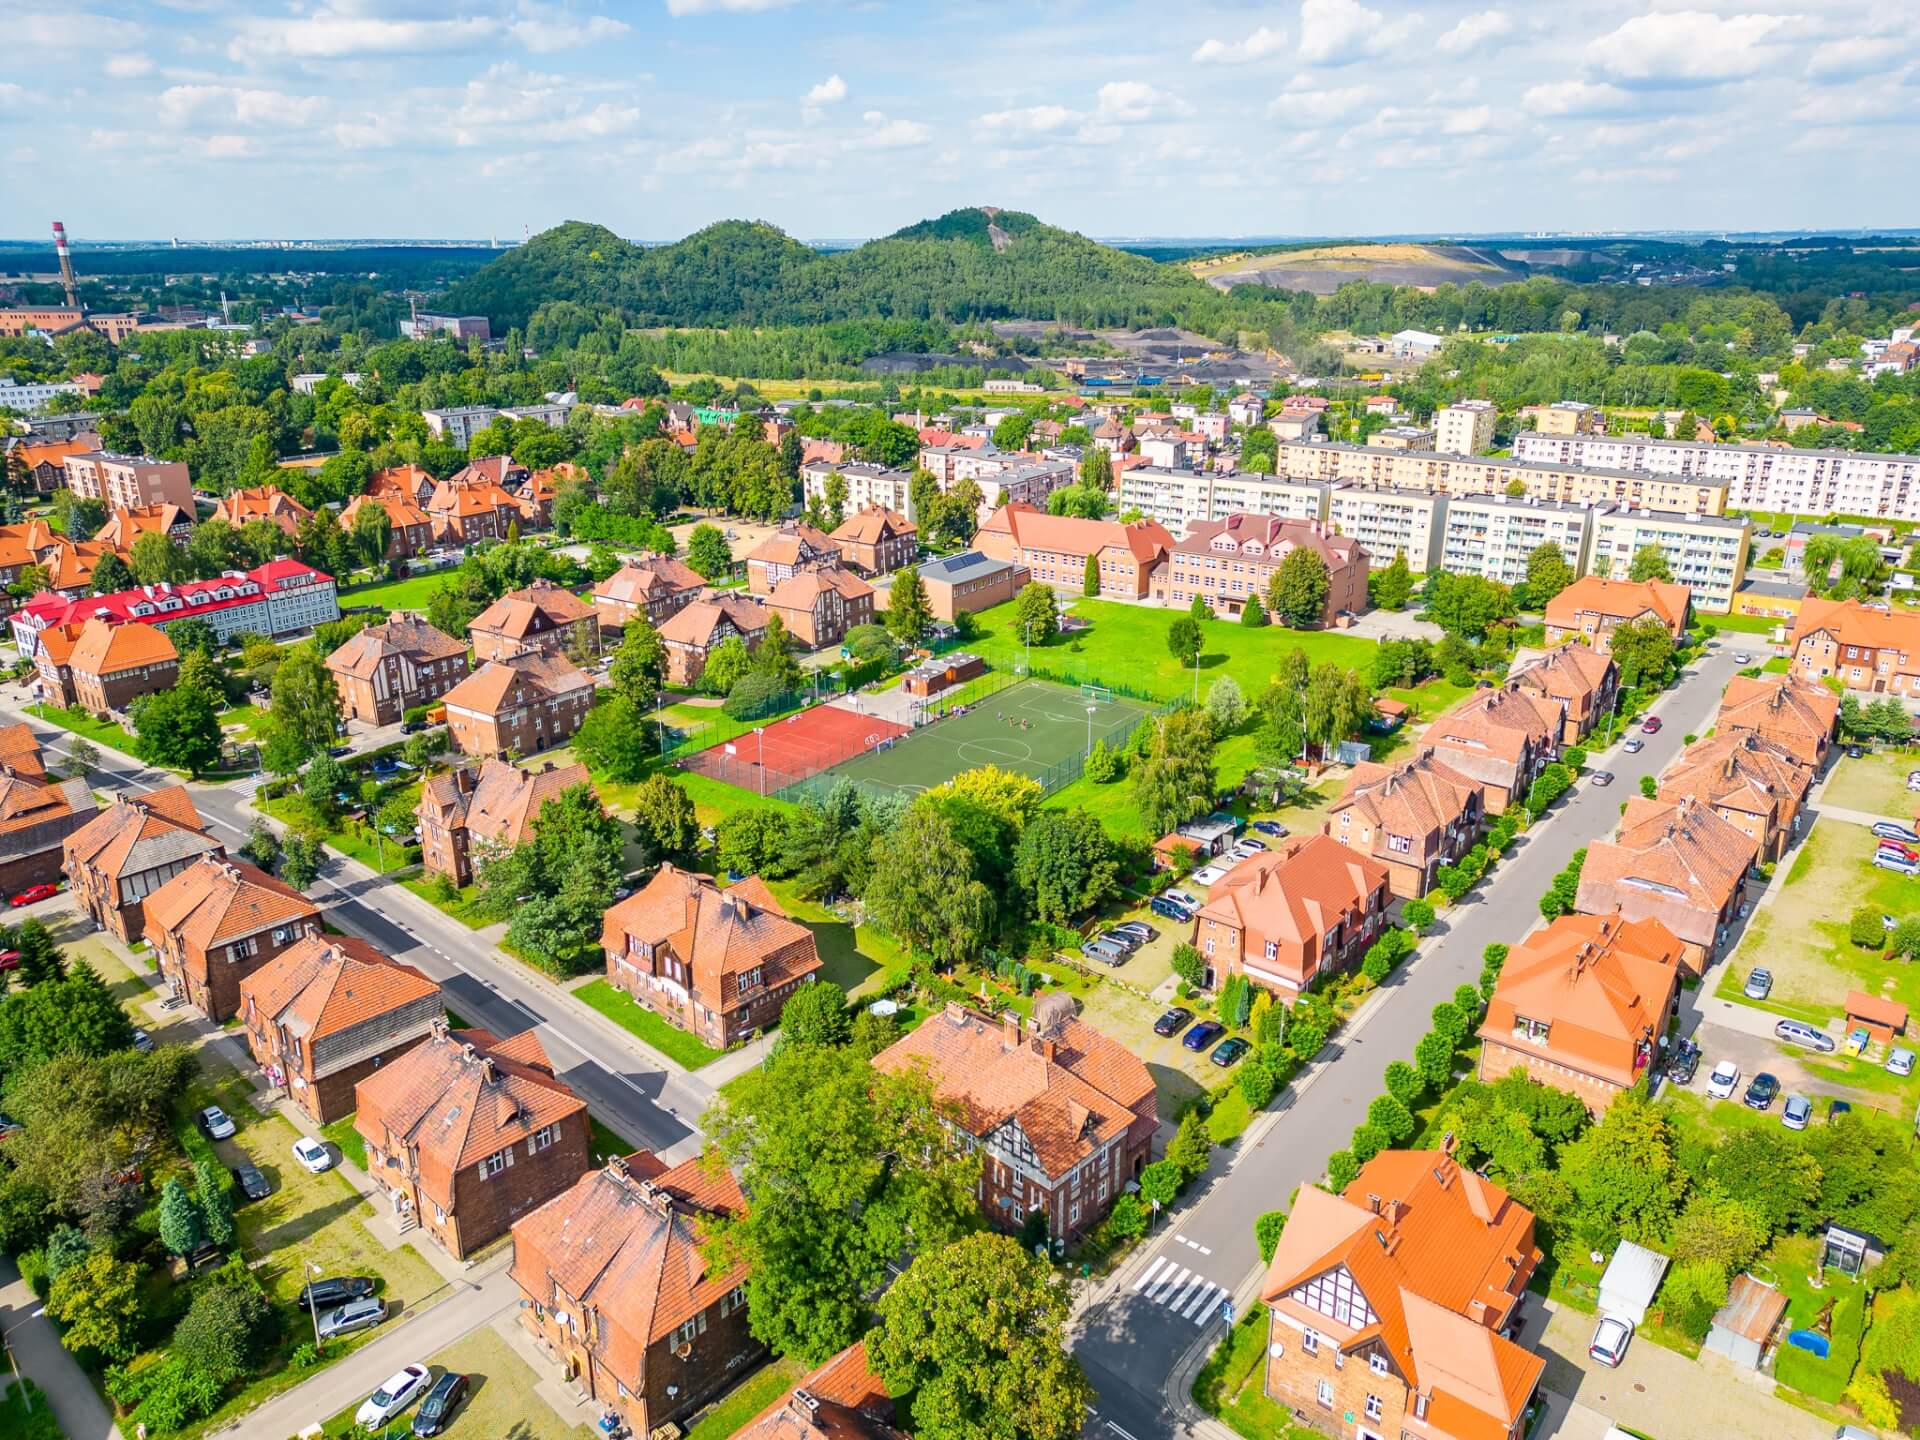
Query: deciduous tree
{"points": [[908, 613], [1065, 864], [923, 889], [664, 820], [1297, 594]]}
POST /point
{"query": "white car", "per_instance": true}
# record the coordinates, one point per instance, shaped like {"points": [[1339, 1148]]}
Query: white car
{"points": [[1724, 1080], [1610, 1337], [312, 1154], [1184, 897], [216, 1123], [399, 1390], [1208, 874], [1742, 658]]}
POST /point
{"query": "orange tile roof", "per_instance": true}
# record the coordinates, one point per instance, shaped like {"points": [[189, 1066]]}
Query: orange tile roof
{"points": [[1571, 672], [500, 801], [1420, 796], [1876, 1010], [1673, 860], [1791, 712], [540, 607], [217, 900], [500, 685], [1739, 770], [792, 544], [1490, 732], [1070, 1089], [408, 481], [841, 1400], [697, 623], [402, 511], [1599, 983], [57, 450], [1294, 893], [20, 753], [1032, 529], [1619, 600], [803, 591], [639, 581], [627, 1241], [30, 804], [1852, 623], [468, 498], [265, 502], [872, 525], [104, 649], [327, 984], [718, 934], [56, 642]]}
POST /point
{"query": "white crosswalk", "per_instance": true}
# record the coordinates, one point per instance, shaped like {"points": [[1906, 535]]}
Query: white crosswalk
{"points": [[1188, 1295]]}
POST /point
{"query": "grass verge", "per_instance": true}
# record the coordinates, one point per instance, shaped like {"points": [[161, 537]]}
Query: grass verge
{"points": [[630, 1015]]}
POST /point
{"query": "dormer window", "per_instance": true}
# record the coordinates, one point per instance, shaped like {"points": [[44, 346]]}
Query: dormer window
{"points": [[1533, 1031], [751, 979]]}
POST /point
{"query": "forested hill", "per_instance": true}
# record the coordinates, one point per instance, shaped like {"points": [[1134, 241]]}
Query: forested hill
{"points": [[967, 265]]}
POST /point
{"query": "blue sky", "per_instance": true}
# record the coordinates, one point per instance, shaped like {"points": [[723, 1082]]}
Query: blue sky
{"points": [[847, 118]]}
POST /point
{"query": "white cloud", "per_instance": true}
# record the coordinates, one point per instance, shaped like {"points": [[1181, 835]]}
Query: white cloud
{"points": [[1626, 175], [69, 30], [828, 91], [716, 7], [1259, 45], [351, 135], [1319, 107], [331, 35], [543, 29], [1690, 47], [1134, 100], [185, 104], [1476, 31], [1575, 97], [1033, 120], [1339, 32], [1469, 121], [1850, 59], [128, 67], [229, 147], [883, 133], [12, 97]]}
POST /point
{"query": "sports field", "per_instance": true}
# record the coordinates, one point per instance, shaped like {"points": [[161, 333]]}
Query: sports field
{"points": [[1032, 727]]}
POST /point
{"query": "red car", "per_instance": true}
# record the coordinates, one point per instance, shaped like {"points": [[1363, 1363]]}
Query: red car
{"points": [[33, 894], [9, 959], [1651, 724]]}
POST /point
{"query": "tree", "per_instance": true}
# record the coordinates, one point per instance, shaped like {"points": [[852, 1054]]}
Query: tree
{"points": [[664, 820], [816, 1014], [306, 703], [1393, 586], [908, 613], [1253, 614], [40, 959], [177, 728], [100, 1304], [1548, 573], [61, 1015], [224, 1329], [1772, 1174], [1096, 470], [1184, 639], [302, 858], [864, 1169], [639, 666], [726, 663], [111, 574], [976, 1333], [1092, 586], [1103, 764], [1864, 929], [1649, 563], [1266, 1233], [1297, 594], [1013, 432], [774, 655], [707, 553], [1226, 705], [155, 559], [615, 740], [215, 1204], [372, 533], [1623, 1175], [1036, 617], [923, 889], [1189, 965], [1467, 605], [1065, 864], [180, 1228], [835, 509], [1199, 609], [1643, 649], [1174, 781]]}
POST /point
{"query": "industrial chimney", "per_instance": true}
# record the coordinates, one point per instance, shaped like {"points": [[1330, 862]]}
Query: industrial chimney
{"points": [[66, 263]]}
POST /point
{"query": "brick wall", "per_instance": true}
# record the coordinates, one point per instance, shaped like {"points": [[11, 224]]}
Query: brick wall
{"points": [[1497, 1060], [484, 1210], [104, 693], [1294, 1379]]}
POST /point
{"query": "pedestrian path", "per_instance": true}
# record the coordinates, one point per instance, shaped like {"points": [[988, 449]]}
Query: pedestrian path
{"points": [[1191, 1296]]}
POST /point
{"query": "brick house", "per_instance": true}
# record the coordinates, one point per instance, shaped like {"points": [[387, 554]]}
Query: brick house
{"points": [[130, 850], [1310, 906], [20, 754], [494, 804], [1868, 649], [53, 663], [46, 461], [792, 548], [390, 668], [1675, 861], [1592, 608], [466, 1133], [37, 816], [841, 1400], [126, 525], [968, 582], [264, 502], [1500, 738], [818, 607], [111, 666], [691, 634], [1581, 680], [327, 1012], [403, 482], [1054, 548], [876, 541], [1390, 1303], [464, 512], [218, 921], [1412, 817], [1753, 784], [1062, 1116], [526, 704], [658, 589], [720, 963], [1800, 716], [542, 617], [618, 1290], [1582, 1005], [1225, 561], [412, 529]]}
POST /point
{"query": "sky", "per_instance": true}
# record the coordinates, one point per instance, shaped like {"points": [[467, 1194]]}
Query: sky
{"points": [[205, 119]]}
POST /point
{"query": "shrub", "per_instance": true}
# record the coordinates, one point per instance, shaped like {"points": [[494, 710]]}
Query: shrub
{"points": [[1649, 786], [1256, 1083], [1266, 1233], [1403, 1082], [1305, 1037], [1376, 967], [1575, 756], [1418, 914], [1391, 1118], [1103, 765], [1368, 1141], [1161, 1181], [1127, 1218], [1342, 1170], [1694, 1290], [1865, 930], [1189, 965]]}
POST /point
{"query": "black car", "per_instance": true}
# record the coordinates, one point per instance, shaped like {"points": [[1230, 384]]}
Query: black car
{"points": [[334, 1291], [1683, 1063], [442, 1400], [252, 1183], [1761, 1092], [1229, 1050], [1173, 1022]]}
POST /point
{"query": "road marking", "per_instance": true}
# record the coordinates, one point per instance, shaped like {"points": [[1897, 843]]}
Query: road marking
{"points": [[1204, 1305], [1152, 1270], [1124, 1435], [1167, 1284], [1195, 1244]]}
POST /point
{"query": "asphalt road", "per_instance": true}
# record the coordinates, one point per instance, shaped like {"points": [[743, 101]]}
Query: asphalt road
{"points": [[1169, 1298], [649, 1105]]}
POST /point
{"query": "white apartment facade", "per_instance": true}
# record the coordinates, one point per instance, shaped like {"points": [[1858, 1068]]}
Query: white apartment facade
{"points": [[1706, 553], [460, 424], [866, 485], [1493, 536], [1179, 498], [1464, 427], [1386, 522]]}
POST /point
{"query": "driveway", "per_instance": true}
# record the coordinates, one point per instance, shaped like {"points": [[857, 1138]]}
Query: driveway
{"points": [[1659, 1391], [36, 1347]]}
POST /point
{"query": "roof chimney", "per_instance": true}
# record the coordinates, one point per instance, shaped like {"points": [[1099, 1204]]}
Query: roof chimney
{"points": [[1010, 1030]]}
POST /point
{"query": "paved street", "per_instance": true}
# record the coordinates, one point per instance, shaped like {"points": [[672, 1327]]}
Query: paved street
{"points": [[1132, 1338]]}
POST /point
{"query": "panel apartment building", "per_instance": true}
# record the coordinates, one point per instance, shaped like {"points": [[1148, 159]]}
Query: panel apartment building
{"points": [[1706, 553], [1386, 522], [1757, 477], [1492, 535], [1179, 498]]}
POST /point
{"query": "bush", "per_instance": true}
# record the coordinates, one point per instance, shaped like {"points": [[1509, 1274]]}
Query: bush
{"points": [[1368, 1141], [1694, 1290], [1575, 757], [1127, 1218], [1342, 1170], [1418, 914], [1266, 1233], [1161, 1181], [1865, 930], [753, 694], [1189, 965], [1305, 1037], [1256, 1083], [1403, 1082], [1376, 967]]}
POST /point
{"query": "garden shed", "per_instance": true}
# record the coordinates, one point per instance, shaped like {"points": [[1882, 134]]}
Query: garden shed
{"points": [[1743, 1326], [1632, 1279]]}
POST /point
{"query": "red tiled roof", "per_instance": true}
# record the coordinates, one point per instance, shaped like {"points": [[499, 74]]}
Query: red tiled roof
{"points": [[1675, 861], [1618, 600], [326, 984], [719, 935], [842, 1400], [217, 900], [1032, 529]]}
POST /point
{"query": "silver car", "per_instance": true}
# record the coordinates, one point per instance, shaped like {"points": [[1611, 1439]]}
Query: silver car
{"points": [[352, 1316]]}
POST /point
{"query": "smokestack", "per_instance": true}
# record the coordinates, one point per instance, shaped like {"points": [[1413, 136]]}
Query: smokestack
{"points": [[66, 264]]}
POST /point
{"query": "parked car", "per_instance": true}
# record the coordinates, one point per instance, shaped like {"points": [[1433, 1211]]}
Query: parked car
{"points": [[1913, 779], [1208, 874], [1278, 831], [396, 1392], [9, 1127], [1603, 777], [1889, 830], [214, 1122], [9, 959], [1740, 657], [442, 1400], [1203, 1035], [1633, 745], [1228, 1051], [335, 1291], [1651, 725], [1610, 1340], [1759, 983], [1854, 752], [1760, 1094], [142, 1041], [1185, 898], [1173, 1022], [1796, 1032], [33, 894], [1105, 953], [1796, 1112], [1247, 846], [352, 1316], [1139, 929], [312, 1154], [1900, 1062], [1899, 849], [1683, 1063], [252, 1183], [1124, 939], [1169, 909], [1896, 864], [1724, 1080]]}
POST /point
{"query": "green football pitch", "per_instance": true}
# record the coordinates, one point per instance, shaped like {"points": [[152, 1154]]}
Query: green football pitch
{"points": [[1032, 727]]}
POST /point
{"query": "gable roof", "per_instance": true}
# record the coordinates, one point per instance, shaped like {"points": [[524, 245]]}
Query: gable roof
{"points": [[1739, 770], [1851, 622], [1294, 893], [802, 591], [402, 510], [841, 1400], [30, 804], [104, 649], [541, 606], [324, 985], [500, 685], [792, 544], [1414, 797], [138, 833], [1619, 600], [1490, 731], [399, 634], [20, 753], [1570, 671], [1672, 860], [1033, 529], [499, 801], [264, 502], [125, 525], [217, 899], [1271, 538], [1784, 708], [718, 934], [872, 525], [639, 581], [697, 623]]}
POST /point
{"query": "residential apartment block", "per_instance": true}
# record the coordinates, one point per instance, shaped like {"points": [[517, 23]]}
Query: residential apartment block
{"points": [[1801, 717], [876, 540], [1675, 861], [38, 814], [1705, 553], [111, 666], [457, 425], [1389, 523], [1464, 427], [1493, 536], [1500, 738], [128, 482], [492, 805], [1225, 561], [391, 668], [274, 599], [524, 704], [787, 552], [541, 619], [1867, 648], [692, 633], [1751, 783], [1308, 907], [1062, 1116], [1054, 549], [130, 850], [1579, 679], [866, 485], [1566, 417], [216, 922], [818, 607], [1411, 817], [656, 589], [1180, 498]]}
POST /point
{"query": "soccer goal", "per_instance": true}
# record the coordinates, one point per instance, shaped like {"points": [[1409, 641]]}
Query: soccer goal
{"points": [[1097, 692]]}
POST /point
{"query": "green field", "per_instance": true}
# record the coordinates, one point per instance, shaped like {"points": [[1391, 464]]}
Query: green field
{"points": [[408, 594]]}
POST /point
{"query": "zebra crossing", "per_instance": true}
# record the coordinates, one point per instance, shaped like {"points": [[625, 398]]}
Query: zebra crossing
{"points": [[1186, 1293]]}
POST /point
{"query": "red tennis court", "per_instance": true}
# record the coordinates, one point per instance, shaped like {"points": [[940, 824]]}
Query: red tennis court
{"points": [[794, 748]]}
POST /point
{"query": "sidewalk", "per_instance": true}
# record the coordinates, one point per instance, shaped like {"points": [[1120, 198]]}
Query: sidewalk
{"points": [[36, 1347]]}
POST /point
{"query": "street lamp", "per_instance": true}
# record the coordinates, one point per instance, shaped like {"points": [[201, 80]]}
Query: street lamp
{"points": [[760, 731], [313, 1304], [33, 1314], [1090, 710]]}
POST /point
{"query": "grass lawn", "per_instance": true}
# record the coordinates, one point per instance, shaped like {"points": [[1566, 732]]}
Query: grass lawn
{"points": [[249, 720], [1875, 783], [501, 1403], [1837, 1310], [461, 907], [1428, 699], [383, 856], [80, 722], [1778, 665], [408, 594], [341, 1132], [1231, 1386], [628, 1013], [747, 1399], [858, 959], [606, 1142], [1126, 645], [1738, 624]]}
